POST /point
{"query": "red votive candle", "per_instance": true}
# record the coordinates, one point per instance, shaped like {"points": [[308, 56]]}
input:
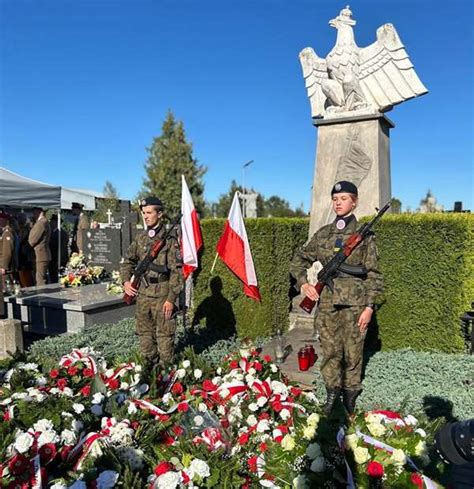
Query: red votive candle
{"points": [[303, 360]]}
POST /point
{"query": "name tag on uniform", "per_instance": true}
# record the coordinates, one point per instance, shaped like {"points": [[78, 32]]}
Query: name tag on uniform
{"points": [[338, 245]]}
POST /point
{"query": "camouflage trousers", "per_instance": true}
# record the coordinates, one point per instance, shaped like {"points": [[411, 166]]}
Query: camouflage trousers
{"points": [[342, 344], [155, 333]]}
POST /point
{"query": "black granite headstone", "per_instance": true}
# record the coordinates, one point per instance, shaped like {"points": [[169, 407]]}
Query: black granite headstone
{"points": [[104, 248]]}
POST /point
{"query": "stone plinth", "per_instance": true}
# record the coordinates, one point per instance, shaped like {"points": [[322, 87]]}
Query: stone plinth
{"points": [[52, 309], [11, 337], [353, 148]]}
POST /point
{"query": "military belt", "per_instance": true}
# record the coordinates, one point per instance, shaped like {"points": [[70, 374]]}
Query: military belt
{"points": [[157, 280]]}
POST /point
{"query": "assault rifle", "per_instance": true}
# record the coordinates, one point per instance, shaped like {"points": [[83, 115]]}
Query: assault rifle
{"points": [[140, 270], [336, 264]]}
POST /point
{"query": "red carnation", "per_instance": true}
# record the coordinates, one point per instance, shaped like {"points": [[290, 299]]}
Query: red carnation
{"points": [[18, 484], [252, 463], [18, 464], [88, 372], [254, 353], [61, 383], [264, 416], [243, 438], [233, 364], [67, 363], [375, 469], [54, 373], [163, 417], [208, 385], [267, 358], [114, 384], [168, 439], [263, 447], [177, 389], [183, 407], [417, 480], [225, 423], [64, 452], [86, 390], [72, 370], [258, 366], [277, 406], [47, 453], [135, 425], [296, 391], [162, 468], [177, 430]]}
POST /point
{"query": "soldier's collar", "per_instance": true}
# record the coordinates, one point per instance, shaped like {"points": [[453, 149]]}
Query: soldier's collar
{"points": [[342, 222]]}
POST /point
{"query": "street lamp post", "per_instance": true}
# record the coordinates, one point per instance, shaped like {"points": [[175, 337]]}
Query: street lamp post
{"points": [[244, 193]]}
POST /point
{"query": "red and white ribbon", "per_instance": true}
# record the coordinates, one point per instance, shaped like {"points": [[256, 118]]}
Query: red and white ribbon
{"points": [[77, 355], [152, 409], [119, 372]]}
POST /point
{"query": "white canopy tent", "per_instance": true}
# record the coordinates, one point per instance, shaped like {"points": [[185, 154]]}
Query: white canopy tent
{"points": [[23, 192]]}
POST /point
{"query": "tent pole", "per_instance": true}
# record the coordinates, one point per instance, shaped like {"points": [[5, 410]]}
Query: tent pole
{"points": [[59, 241]]}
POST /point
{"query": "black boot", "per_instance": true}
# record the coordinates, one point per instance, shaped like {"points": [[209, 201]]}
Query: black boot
{"points": [[332, 396], [349, 397]]}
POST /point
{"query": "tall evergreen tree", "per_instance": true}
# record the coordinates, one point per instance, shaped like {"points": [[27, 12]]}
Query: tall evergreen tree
{"points": [[169, 157]]}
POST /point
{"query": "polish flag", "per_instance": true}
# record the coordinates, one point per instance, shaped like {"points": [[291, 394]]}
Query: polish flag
{"points": [[190, 231], [234, 250]]}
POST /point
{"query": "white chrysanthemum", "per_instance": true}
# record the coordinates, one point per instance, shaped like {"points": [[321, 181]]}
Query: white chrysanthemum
{"points": [[43, 425], [421, 432], [309, 432], [20, 395], [251, 420], [170, 480], [253, 407], [47, 437], [261, 401], [311, 396], [186, 364], [219, 371], [250, 379], [23, 442], [180, 373], [78, 407], [109, 372], [138, 368], [410, 420], [197, 373], [217, 380], [41, 380], [398, 457], [288, 443], [198, 420], [313, 419], [285, 414], [30, 366], [263, 425], [107, 479], [97, 398], [374, 418], [124, 386], [202, 407], [251, 371], [200, 468], [132, 409], [318, 464], [376, 429], [279, 388], [361, 455], [313, 450], [273, 368], [68, 437], [351, 441]]}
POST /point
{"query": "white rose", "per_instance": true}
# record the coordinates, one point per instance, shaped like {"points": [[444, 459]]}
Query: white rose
{"points": [[202, 407], [285, 414], [361, 455], [374, 418], [273, 368], [318, 464], [351, 441], [107, 479], [124, 386], [138, 368], [263, 425], [96, 409], [421, 451], [68, 437], [251, 420], [109, 372], [199, 468], [41, 380], [132, 409], [398, 457], [97, 398], [410, 420], [311, 396], [313, 419], [23, 442], [313, 450], [421, 432], [47, 437], [43, 425], [217, 380], [279, 388], [376, 429], [288, 443], [197, 373], [309, 432], [198, 420], [253, 407], [261, 401], [219, 371], [170, 480], [186, 364], [251, 371], [250, 379], [78, 408], [180, 373]]}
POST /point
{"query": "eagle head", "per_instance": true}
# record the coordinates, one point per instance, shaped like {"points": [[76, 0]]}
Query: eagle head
{"points": [[344, 18]]}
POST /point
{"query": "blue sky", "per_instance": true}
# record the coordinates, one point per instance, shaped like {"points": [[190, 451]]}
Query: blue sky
{"points": [[86, 85]]}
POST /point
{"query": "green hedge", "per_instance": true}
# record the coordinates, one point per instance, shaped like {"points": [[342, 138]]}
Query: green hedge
{"points": [[426, 260], [272, 242]]}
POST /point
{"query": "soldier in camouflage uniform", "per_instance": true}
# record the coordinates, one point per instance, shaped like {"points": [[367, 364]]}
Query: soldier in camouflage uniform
{"points": [[155, 301], [343, 316]]}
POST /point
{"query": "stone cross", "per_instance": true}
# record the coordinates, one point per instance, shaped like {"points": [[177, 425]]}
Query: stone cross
{"points": [[109, 216]]}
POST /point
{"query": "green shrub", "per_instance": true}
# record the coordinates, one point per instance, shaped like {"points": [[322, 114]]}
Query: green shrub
{"points": [[427, 261], [438, 384]]}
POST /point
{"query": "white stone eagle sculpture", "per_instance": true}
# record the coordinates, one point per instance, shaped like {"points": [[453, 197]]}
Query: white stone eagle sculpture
{"points": [[359, 80]]}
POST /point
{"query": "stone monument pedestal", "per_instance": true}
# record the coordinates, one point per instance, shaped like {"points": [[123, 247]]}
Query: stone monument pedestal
{"points": [[354, 148]]}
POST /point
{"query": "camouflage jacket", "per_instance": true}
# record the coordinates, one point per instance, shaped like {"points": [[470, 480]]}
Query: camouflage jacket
{"points": [[348, 289], [165, 268]]}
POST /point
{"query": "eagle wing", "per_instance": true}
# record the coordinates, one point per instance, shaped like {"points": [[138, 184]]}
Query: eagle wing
{"points": [[314, 72], [386, 74]]}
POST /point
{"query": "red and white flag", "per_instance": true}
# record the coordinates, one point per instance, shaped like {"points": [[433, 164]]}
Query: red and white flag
{"points": [[234, 250], [190, 231]]}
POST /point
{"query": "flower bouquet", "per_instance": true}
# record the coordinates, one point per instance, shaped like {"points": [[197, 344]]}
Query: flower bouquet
{"points": [[77, 272], [115, 287]]}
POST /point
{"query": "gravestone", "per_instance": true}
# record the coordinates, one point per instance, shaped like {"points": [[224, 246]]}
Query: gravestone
{"points": [[127, 220], [11, 337], [103, 247]]}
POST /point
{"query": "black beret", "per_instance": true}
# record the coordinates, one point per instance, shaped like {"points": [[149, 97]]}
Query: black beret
{"points": [[151, 201], [77, 205], [344, 186]]}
